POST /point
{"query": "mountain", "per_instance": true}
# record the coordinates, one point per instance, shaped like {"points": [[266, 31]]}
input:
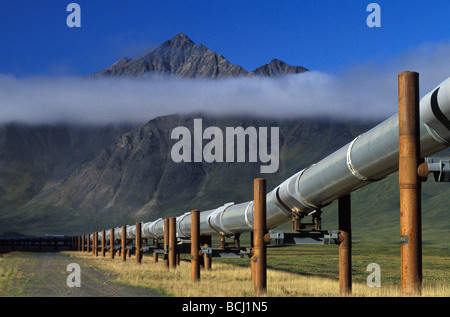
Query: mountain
{"points": [[72, 179], [135, 178], [277, 68], [35, 157], [182, 57], [52, 173]]}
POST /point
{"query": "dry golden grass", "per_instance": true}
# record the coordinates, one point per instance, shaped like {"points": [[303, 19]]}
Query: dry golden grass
{"points": [[9, 275], [229, 280]]}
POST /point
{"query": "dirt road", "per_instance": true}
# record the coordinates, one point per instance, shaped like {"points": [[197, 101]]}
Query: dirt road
{"points": [[45, 275]]}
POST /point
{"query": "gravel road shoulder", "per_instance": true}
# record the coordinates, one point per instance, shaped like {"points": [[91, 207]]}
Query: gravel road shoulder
{"points": [[45, 275]]}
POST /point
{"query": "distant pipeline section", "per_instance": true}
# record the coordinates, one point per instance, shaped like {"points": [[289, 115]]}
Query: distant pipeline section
{"points": [[368, 158]]}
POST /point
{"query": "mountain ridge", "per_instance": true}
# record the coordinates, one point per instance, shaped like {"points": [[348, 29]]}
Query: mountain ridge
{"points": [[71, 179], [182, 57]]}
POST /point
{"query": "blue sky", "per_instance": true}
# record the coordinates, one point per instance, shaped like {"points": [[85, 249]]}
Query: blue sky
{"points": [[329, 36], [354, 67]]}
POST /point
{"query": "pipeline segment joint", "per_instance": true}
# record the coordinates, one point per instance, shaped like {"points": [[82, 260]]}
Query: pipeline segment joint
{"points": [[350, 165], [288, 195], [432, 112], [179, 221], [148, 229], [215, 220], [248, 217]]}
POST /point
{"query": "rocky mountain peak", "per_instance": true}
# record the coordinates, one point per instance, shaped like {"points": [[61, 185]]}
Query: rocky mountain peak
{"points": [[182, 57], [277, 68], [179, 41]]}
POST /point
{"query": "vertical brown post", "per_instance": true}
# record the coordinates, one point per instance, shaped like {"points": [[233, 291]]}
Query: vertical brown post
{"points": [[93, 243], [252, 262], [78, 243], [88, 244], [123, 247], [345, 245], [409, 183], [259, 258], [172, 243], [206, 259], [103, 243], [111, 243], [138, 242], [155, 255], [166, 242], [82, 242], [96, 243], [195, 245]]}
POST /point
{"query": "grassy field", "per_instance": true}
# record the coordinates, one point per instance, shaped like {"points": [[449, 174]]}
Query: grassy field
{"points": [[10, 273], [292, 271]]}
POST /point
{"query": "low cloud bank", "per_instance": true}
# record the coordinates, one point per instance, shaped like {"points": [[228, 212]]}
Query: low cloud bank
{"points": [[366, 92]]}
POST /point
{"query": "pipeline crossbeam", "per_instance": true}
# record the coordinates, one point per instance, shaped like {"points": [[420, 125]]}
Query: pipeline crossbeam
{"points": [[368, 158]]}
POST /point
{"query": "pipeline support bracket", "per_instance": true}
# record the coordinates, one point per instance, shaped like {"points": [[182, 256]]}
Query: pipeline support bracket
{"points": [[439, 167], [286, 238], [297, 216]]}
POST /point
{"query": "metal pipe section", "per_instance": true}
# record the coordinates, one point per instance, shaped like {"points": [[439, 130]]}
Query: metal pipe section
{"points": [[369, 157]]}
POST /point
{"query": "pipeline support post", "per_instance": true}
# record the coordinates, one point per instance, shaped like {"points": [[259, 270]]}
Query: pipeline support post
{"points": [[409, 183], [207, 259], [138, 242], [195, 245], [123, 247], [166, 242], [96, 243], [103, 243], [345, 245], [172, 243], [259, 231], [93, 243], [111, 243], [155, 255]]}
